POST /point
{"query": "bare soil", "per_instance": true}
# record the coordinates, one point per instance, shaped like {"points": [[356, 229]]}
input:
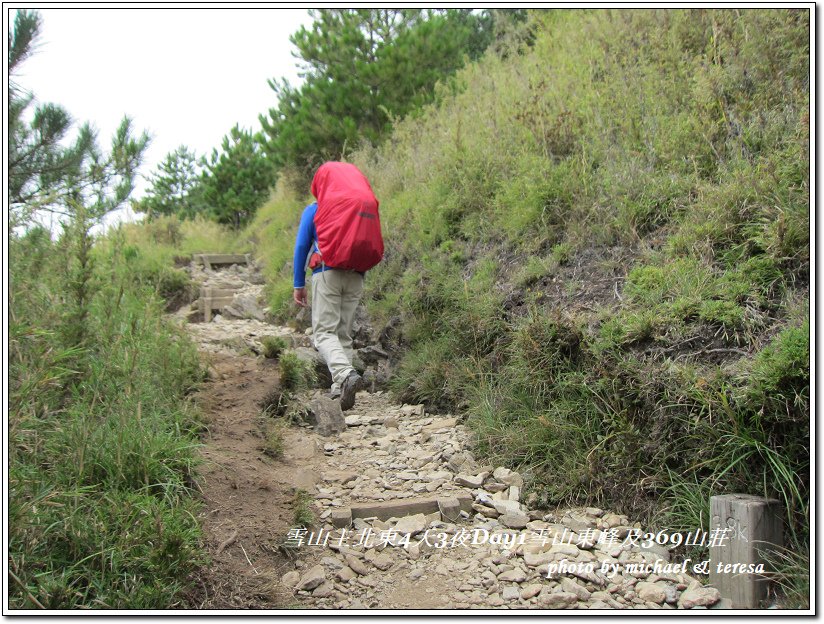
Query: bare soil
{"points": [[247, 495]]}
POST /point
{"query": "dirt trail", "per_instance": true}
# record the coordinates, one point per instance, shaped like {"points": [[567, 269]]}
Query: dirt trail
{"points": [[247, 495], [501, 554]]}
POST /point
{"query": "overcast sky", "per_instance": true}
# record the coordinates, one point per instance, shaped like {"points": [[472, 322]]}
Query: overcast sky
{"points": [[184, 75]]}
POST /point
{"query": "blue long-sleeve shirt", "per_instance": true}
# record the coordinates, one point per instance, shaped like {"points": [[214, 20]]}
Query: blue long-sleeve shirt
{"points": [[305, 244]]}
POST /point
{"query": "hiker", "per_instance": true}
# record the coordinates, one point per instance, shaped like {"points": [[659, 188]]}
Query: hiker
{"points": [[339, 238]]}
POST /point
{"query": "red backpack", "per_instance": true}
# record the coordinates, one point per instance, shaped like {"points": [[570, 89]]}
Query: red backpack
{"points": [[347, 222]]}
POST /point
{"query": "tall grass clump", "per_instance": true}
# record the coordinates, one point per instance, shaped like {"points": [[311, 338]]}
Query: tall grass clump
{"points": [[101, 436]]}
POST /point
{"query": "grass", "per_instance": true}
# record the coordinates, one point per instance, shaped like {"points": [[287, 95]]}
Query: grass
{"points": [[790, 571], [273, 346], [296, 375], [693, 156], [273, 442], [154, 249], [302, 506], [102, 437]]}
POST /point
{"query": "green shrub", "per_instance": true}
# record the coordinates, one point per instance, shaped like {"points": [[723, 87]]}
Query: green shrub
{"points": [[273, 346], [295, 374], [273, 440], [778, 383], [302, 508]]}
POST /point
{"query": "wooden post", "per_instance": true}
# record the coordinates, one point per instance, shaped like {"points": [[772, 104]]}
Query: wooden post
{"points": [[754, 527], [206, 302]]}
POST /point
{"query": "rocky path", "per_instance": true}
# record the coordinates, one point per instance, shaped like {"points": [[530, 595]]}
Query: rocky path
{"points": [[498, 553]]}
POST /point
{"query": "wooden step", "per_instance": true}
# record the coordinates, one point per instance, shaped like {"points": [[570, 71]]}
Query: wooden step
{"points": [[212, 260], [212, 299], [383, 510]]}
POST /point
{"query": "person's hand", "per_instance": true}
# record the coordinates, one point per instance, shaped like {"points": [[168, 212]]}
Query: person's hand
{"points": [[300, 296]]}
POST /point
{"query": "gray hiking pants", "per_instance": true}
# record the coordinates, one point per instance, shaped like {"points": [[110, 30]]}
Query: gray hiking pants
{"points": [[335, 297]]}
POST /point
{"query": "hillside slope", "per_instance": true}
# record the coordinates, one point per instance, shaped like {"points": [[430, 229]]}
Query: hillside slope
{"points": [[598, 247]]}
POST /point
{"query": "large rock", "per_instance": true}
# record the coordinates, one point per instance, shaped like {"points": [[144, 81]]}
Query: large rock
{"points": [[577, 522], [372, 354], [463, 462], [361, 328], [290, 579], [514, 520], [326, 416], [382, 561], [472, 481], [507, 506], [509, 477], [345, 574], [388, 336], [245, 306], [356, 565], [324, 590], [411, 524]]}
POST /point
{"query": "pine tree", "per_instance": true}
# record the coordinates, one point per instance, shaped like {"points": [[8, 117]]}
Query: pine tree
{"points": [[237, 180], [44, 173], [175, 186]]}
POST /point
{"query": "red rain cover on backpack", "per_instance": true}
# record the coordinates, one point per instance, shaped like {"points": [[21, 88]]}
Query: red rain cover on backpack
{"points": [[347, 221]]}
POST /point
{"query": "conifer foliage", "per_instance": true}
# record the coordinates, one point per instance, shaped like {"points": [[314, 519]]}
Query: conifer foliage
{"points": [[363, 68], [174, 186], [47, 170], [238, 178]]}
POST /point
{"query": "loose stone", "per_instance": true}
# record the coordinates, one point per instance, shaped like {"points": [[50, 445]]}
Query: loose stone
{"points": [[697, 596], [314, 577], [650, 592], [345, 574], [290, 579], [382, 562], [531, 590], [556, 600], [357, 565], [510, 592], [516, 576]]}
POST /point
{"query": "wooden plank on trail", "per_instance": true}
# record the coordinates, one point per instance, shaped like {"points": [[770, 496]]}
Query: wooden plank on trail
{"points": [[384, 510], [224, 259], [218, 302], [211, 260], [217, 293]]}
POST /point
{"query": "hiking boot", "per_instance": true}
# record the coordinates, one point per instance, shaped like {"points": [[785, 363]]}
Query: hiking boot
{"points": [[348, 388]]}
